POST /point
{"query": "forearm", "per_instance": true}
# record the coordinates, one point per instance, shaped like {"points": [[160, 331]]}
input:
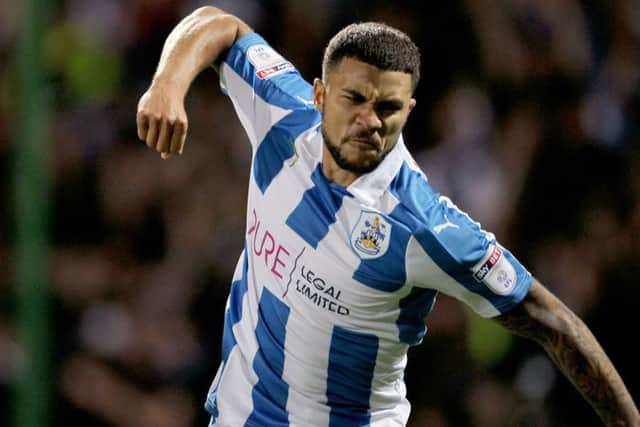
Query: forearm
{"points": [[576, 352], [578, 355], [194, 44], [198, 41]]}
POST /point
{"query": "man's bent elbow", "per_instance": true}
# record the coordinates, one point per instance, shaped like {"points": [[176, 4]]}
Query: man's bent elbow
{"points": [[207, 12]]}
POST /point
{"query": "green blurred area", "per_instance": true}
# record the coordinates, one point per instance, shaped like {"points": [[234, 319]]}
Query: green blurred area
{"points": [[89, 71], [31, 218], [488, 343]]}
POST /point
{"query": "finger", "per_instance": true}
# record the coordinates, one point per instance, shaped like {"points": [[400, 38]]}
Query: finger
{"points": [[164, 136], [183, 138], [152, 134], [143, 125], [166, 156], [176, 137]]}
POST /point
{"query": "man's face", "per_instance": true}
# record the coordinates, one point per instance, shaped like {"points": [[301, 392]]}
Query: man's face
{"points": [[364, 110]]}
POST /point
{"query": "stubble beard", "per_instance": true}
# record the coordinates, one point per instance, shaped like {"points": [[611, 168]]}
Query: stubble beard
{"points": [[359, 168]]}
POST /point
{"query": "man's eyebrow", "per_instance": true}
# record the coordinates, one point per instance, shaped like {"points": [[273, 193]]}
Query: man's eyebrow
{"points": [[394, 103]]}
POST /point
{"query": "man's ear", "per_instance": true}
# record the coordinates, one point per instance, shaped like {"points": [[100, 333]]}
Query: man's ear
{"points": [[318, 94], [412, 103]]}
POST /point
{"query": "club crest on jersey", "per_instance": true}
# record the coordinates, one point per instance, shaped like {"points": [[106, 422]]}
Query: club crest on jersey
{"points": [[495, 271], [267, 62], [370, 236]]}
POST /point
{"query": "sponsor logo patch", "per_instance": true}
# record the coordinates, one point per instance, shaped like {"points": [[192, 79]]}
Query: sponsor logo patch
{"points": [[267, 62], [314, 288], [370, 236], [495, 271]]}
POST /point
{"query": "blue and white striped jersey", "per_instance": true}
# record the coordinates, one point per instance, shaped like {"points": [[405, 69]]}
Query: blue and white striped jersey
{"points": [[334, 283]]}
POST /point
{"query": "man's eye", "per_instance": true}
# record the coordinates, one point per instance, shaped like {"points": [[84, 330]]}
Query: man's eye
{"points": [[355, 98], [389, 106]]}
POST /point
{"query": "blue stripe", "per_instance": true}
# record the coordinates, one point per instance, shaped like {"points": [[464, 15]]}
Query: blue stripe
{"points": [[320, 202], [231, 317], [413, 190], [277, 145], [413, 309], [388, 272], [288, 91], [271, 392], [450, 265], [234, 312], [212, 407], [523, 283], [281, 90], [455, 251], [352, 360]]}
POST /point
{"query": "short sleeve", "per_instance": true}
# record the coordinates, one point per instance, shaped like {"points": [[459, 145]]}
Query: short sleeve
{"points": [[266, 89], [451, 253]]}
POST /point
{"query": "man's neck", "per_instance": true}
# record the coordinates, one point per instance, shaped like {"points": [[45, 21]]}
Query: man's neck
{"points": [[335, 173]]}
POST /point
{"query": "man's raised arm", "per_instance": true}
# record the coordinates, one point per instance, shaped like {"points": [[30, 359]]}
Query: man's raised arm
{"points": [[575, 351], [194, 44]]}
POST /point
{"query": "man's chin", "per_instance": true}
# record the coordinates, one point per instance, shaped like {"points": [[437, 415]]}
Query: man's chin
{"points": [[358, 159], [360, 165]]}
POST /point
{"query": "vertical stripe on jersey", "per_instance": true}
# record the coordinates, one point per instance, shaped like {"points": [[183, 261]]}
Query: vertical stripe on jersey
{"points": [[234, 311], [278, 145], [231, 317], [271, 392], [352, 360], [320, 202], [388, 272], [419, 212], [413, 309]]}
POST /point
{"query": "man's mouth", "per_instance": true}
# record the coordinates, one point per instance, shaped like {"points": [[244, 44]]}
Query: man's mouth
{"points": [[365, 142]]}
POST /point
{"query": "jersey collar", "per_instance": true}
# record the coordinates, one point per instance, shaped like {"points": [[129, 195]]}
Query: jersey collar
{"points": [[370, 187]]}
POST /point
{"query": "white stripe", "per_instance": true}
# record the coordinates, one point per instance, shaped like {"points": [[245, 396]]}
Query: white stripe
{"points": [[388, 388], [234, 393], [302, 405], [423, 271], [255, 114], [235, 402]]}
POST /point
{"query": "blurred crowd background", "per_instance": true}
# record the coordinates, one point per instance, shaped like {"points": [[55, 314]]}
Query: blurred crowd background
{"points": [[527, 117]]}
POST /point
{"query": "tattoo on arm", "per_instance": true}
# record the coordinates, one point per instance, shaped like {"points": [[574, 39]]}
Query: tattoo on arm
{"points": [[576, 352]]}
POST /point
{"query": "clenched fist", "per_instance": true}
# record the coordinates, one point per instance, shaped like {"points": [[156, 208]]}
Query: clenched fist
{"points": [[162, 120]]}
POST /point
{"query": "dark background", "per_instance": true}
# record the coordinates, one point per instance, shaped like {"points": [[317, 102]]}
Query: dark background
{"points": [[527, 117]]}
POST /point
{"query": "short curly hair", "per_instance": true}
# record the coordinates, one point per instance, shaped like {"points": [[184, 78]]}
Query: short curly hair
{"points": [[376, 44]]}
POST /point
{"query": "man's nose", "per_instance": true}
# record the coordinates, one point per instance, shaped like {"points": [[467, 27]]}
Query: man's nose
{"points": [[368, 118]]}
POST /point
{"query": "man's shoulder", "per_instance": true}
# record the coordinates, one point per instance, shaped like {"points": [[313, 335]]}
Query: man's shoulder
{"points": [[411, 187]]}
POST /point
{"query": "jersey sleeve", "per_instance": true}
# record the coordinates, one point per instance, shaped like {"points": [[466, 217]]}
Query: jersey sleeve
{"points": [[451, 253], [271, 99]]}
